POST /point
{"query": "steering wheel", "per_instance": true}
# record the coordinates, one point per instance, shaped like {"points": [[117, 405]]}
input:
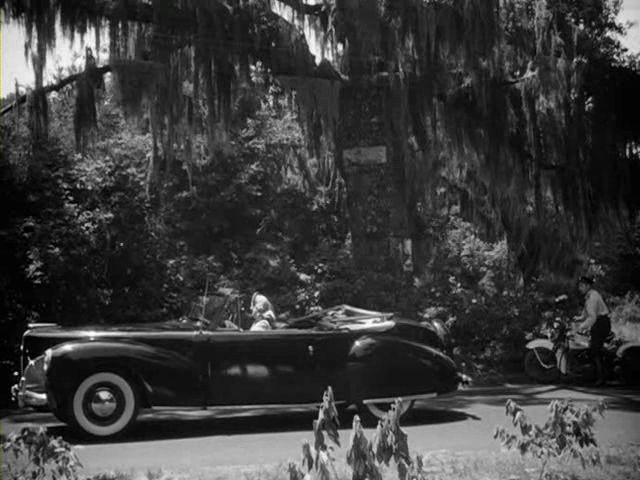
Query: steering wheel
{"points": [[202, 322]]}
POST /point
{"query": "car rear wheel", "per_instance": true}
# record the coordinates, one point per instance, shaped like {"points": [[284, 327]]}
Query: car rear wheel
{"points": [[378, 410], [540, 365], [104, 404]]}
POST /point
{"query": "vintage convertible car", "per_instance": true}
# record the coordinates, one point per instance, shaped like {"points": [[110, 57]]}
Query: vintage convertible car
{"points": [[98, 378]]}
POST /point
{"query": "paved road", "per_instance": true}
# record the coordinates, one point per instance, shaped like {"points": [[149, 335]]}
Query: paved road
{"points": [[203, 439]]}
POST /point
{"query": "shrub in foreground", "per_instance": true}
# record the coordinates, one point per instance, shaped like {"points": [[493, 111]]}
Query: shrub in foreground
{"points": [[568, 432], [32, 453], [365, 457]]}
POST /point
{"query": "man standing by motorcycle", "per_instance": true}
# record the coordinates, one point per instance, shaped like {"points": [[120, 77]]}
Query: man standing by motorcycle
{"points": [[595, 319]]}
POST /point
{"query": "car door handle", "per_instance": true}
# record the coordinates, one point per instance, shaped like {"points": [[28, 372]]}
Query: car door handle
{"points": [[310, 350]]}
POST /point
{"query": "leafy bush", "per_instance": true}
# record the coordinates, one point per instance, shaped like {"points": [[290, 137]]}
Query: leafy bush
{"points": [[625, 316], [473, 257], [567, 432], [318, 461], [364, 457], [32, 453], [618, 256]]}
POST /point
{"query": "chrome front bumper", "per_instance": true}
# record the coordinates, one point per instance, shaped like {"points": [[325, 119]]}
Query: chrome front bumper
{"points": [[26, 397], [465, 380]]}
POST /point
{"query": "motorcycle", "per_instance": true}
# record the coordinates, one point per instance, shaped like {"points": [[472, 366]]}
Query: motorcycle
{"points": [[565, 356]]}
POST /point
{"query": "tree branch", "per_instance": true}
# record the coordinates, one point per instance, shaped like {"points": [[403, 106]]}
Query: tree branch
{"points": [[285, 49], [305, 8], [514, 81], [54, 87]]}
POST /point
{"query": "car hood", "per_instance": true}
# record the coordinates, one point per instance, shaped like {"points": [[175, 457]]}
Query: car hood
{"points": [[40, 337], [170, 325]]}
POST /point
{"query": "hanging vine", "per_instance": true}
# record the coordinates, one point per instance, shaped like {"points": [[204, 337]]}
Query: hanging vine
{"points": [[500, 97]]}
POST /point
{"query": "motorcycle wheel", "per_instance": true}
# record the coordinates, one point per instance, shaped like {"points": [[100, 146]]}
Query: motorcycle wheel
{"points": [[581, 368], [545, 372], [630, 367]]}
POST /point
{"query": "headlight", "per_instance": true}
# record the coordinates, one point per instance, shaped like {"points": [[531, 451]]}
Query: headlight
{"points": [[47, 360]]}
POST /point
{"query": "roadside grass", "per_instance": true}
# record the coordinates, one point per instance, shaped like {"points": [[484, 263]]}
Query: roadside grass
{"points": [[622, 463]]}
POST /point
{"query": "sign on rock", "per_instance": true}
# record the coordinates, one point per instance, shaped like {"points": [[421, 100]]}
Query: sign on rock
{"points": [[376, 155]]}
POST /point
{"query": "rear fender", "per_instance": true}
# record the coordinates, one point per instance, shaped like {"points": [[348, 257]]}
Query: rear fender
{"points": [[164, 377], [627, 347], [540, 343], [383, 366]]}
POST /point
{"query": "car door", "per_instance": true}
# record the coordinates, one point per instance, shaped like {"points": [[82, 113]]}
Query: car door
{"points": [[330, 356], [273, 367]]}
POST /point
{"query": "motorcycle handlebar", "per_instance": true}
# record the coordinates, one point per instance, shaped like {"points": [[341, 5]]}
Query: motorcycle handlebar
{"points": [[580, 333]]}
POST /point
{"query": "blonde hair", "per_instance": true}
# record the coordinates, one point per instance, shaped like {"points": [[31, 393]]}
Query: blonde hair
{"points": [[260, 304]]}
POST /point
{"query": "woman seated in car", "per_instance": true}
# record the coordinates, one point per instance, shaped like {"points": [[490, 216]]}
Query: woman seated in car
{"points": [[262, 313]]}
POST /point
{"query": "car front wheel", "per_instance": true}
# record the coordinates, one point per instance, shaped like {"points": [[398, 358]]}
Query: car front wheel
{"points": [[104, 404]]}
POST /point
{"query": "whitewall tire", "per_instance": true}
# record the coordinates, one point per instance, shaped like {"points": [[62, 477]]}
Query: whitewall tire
{"points": [[105, 404]]}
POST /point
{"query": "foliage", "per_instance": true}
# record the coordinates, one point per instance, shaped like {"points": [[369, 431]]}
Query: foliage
{"points": [[617, 464], [625, 316], [360, 455], [111, 476], [567, 432], [617, 253], [32, 453], [79, 232], [516, 148], [506, 106], [319, 466], [391, 442], [364, 457]]}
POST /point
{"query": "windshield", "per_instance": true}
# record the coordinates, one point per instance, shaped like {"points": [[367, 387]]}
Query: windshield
{"points": [[216, 308]]}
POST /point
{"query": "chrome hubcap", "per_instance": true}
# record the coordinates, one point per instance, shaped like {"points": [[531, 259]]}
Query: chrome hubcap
{"points": [[103, 403]]}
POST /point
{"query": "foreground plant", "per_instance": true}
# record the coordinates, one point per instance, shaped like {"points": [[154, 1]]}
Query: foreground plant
{"points": [[32, 453], [319, 466], [360, 454], [390, 441], [568, 432], [365, 457]]}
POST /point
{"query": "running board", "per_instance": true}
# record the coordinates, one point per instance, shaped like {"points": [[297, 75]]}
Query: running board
{"points": [[285, 406], [236, 408], [409, 398]]}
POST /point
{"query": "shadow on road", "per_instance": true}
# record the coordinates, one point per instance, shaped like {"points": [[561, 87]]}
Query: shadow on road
{"points": [[183, 425], [201, 423], [616, 397]]}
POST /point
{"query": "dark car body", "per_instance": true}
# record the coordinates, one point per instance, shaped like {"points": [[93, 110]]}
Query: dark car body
{"points": [[365, 356]]}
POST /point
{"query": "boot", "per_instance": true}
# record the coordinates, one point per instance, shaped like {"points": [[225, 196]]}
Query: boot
{"points": [[600, 380]]}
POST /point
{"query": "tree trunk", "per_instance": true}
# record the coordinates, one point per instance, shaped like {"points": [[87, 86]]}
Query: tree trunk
{"points": [[371, 159]]}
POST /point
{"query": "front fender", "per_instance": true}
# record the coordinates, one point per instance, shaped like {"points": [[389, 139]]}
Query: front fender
{"points": [[561, 358], [540, 343], [163, 376]]}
